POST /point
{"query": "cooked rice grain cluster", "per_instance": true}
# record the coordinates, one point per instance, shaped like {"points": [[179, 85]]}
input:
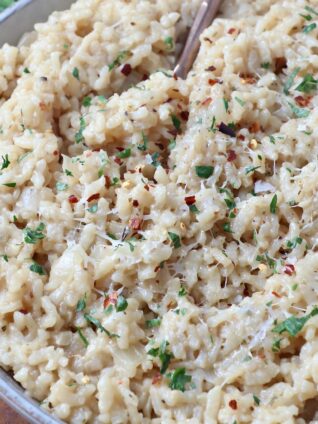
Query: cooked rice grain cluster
{"points": [[158, 236]]}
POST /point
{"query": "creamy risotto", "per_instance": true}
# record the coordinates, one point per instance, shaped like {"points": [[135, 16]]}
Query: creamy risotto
{"points": [[159, 258]]}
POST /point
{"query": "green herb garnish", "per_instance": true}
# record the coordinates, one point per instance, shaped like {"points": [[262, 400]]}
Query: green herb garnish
{"points": [[153, 323], [308, 84], [10, 184], [204, 171], [308, 28], [119, 59], [169, 43], [293, 325], [98, 325], [273, 204], [121, 304], [87, 101], [61, 186], [82, 337], [124, 153], [178, 379], [33, 236], [37, 268], [144, 146], [5, 162], [75, 73], [81, 304], [290, 80], [79, 135], [176, 122], [175, 239]]}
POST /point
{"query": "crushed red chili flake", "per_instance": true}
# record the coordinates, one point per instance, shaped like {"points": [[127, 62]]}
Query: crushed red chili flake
{"points": [[255, 127], [276, 294], [233, 404], [241, 137], [146, 187], [120, 149], [207, 101], [231, 30], [73, 199], [213, 81], [302, 101], [111, 299], [108, 181], [117, 160], [190, 200], [23, 311], [95, 196], [156, 378], [280, 64], [145, 77], [135, 203], [56, 152], [246, 291], [289, 269], [135, 223], [231, 155], [184, 115], [210, 69], [126, 69]]}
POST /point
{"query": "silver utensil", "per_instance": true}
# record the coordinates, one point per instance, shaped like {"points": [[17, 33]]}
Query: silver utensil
{"points": [[205, 15]]}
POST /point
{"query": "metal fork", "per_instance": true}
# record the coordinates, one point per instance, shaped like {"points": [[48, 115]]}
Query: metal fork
{"points": [[205, 15]]}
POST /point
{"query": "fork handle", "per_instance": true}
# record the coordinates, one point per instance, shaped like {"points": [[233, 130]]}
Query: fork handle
{"points": [[205, 16]]}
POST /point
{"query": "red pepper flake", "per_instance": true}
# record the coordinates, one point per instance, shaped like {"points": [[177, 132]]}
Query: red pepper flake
{"points": [[231, 155], [246, 291], [120, 149], [135, 203], [302, 101], [126, 69], [117, 160], [231, 30], [95, 196], [135, 223], [207, 101], [111, 299], [156, 378], [108, 181], [241, 137], [277, 294], [190, 200], [145, 77], [23, 311], [184, 115], [146, 187], [210, 69], [213, 81], [255, 127], [56, 152], [73, 199], [280, 64], [289, 269], [233, 404]]}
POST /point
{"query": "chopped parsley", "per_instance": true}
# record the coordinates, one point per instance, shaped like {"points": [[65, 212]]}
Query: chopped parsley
{"points": [[176, 122], [291, 244], [26, 71], [61, 186], [265, 65], [164, 355], [272, 139], [37, 268], [256, 400], [204, 171], [226, 105], [93, 208], [175, 239], [121, 304], [308, 28], [5, 258], [87, 101], [240, 101], [293, 325], [298, 111], [68, 173], [79, 135], [124, 153], [81, 304], [273, 204], [193, 209], [276, 345], [154, 158], [118, 60], [33, 236], [227, 227], [82, 337], [5, 162], [308, 84], [10, 184], [98, 325], [153, 323], [290, 80], [250, 169], [75, 73], [178, 379], [213, 125], [182, 292], [144, 146], [169, 43]]}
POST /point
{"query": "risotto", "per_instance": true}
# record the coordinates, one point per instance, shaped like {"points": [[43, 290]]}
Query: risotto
{"points": [[159, 248]]}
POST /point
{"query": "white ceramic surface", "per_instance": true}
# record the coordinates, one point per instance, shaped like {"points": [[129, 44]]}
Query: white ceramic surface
{"points": [[14, 22]]}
